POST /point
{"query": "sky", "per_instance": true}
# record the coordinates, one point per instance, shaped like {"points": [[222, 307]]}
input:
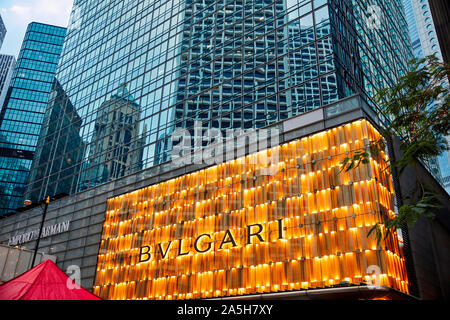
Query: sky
{"points": [[17, 14]]}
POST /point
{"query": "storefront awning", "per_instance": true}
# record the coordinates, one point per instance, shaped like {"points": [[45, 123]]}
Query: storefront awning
{"points": [[44, 282]]}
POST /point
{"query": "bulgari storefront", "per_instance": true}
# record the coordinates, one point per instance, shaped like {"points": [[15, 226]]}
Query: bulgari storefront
{"points": [[251, 226]]}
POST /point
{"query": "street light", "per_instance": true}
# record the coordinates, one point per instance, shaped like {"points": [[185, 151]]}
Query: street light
{"points": [[46, 202]]}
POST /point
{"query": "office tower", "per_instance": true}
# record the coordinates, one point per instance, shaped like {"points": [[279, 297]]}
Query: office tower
{"points": [[2, 31], [425, 43], [412, 28], [229, 65], [7, 65], [440, 10], [132, 73], [23, 111], [384, 44], [421, 27]]}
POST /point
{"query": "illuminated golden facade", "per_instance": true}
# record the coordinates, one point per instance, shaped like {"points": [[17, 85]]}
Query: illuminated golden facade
{"points": [[231, 230]]}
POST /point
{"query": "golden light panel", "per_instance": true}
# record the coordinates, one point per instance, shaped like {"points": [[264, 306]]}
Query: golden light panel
{"points": [[231, 230]]}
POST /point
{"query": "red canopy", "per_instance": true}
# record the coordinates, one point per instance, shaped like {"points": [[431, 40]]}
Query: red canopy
{"points": [[44, 282]]}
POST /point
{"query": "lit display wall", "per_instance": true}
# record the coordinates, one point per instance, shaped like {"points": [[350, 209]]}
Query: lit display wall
{"points": [[231, 230]]}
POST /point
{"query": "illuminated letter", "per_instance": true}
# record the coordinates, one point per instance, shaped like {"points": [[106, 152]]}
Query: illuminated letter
{"points": [[231, 240], [163, 254], [180, 247], [144, 253], [196, 243], [257, 234], [280, 228]]}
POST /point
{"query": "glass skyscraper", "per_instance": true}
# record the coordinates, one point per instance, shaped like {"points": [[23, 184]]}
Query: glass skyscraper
{"points": [[412, 28], [425, 43], [2, 31], [132, 72], [23, 111], [7, 65]]}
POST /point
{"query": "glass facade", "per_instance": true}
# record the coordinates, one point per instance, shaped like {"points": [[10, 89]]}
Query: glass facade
{"points": [[412, 28], [23, 111], [230, 230], [133, 72], [7, 65], [384, 43], [424, 39], [2, 31]]}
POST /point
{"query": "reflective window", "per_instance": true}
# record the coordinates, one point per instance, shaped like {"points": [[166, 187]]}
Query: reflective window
{"points": [[134, 72], [24, 108]]}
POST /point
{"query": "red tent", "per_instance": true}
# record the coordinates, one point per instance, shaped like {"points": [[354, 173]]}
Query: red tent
{"points": [[44, 282]]}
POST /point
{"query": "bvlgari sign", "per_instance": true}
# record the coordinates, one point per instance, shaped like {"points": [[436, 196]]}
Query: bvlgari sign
{"points": [[33, 235], [202, 245], [230, 229]]}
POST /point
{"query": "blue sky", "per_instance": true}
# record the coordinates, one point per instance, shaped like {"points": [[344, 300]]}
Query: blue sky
{"points": [[17, 14]]}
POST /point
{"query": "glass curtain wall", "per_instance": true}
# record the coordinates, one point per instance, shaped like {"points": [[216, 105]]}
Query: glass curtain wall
{"points": [[24, 107], [160, 66]]}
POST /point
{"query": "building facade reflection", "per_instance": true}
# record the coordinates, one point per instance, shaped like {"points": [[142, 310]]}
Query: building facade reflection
{"points": [[116, 148], [62, 137], [236, 65]]}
